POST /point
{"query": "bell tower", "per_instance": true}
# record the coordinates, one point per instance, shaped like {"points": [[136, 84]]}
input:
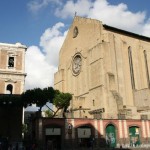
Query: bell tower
{"points": [[12, 68]]}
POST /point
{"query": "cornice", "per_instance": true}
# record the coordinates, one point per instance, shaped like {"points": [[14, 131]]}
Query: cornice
{"points": [[12, 73]]}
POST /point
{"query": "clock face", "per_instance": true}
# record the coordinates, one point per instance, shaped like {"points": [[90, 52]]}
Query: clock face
{"points": [[76, 66]]}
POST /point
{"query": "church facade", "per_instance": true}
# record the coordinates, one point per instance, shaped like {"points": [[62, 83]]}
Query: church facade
{"points": [[107, 71]]}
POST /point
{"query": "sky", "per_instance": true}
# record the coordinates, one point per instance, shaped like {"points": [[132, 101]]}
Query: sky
{"points": [[42, 26]]}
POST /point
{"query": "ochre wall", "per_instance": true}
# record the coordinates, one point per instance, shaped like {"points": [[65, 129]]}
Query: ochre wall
{"points": [[104, 80]]}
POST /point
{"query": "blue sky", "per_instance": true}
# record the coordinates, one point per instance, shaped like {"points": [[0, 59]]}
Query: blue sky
{"points": [[42, 25], [19, 23]]}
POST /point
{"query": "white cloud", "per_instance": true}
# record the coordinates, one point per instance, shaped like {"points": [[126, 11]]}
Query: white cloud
{"points": [[146, 28], [118, 16], [82, 7], [36, 5], [114, 15], [40, 67], [51, 41], [39, 72]]}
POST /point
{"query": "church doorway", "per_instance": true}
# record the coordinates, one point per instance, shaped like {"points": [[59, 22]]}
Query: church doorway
{"points": [[53, 138], [134, 136], [84, 134], [111, 135]]}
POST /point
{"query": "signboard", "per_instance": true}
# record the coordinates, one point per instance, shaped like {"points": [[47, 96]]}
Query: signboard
{"points": [[53, 131], [84, 132]]}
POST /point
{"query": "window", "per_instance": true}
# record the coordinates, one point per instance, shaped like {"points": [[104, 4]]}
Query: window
{"points": [[75, 32], [9, 89], [111, 81], [146, 66], [93, 102], [11, 62], [131, 67]]}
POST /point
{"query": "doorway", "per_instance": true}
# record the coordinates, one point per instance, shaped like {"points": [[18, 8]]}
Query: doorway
{"points": [[84, 135], [53, 138], [134, 136], [111, 135]]}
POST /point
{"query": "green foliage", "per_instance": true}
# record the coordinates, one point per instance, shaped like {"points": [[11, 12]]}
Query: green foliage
{"points": [[49, 93], [62, 100], [48, 113], [38, 96], [41, 96]]}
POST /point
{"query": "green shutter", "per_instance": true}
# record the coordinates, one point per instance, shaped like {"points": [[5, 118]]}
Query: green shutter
{"points": [[134, 136], [111, 135]]}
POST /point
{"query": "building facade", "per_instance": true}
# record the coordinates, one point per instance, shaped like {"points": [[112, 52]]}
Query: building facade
{"points": [[106, 70], [12, 80], [60, 133], [12, 68]]}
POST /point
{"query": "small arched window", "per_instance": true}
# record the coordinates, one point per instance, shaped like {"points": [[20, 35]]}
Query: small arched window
{"points": [[9, 89]]}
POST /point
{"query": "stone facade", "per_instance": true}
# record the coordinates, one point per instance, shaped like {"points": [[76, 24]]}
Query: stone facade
{"points": [[12, 68], [12, 80], [67, 133], [106, 70]]}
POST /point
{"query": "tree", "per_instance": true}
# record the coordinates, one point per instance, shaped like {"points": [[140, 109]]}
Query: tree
{"points": [[38, 96], [61, 101], [41, 96]]}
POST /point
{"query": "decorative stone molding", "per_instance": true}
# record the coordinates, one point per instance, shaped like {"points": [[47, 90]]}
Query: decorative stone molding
{"points": [[10, 80]]}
